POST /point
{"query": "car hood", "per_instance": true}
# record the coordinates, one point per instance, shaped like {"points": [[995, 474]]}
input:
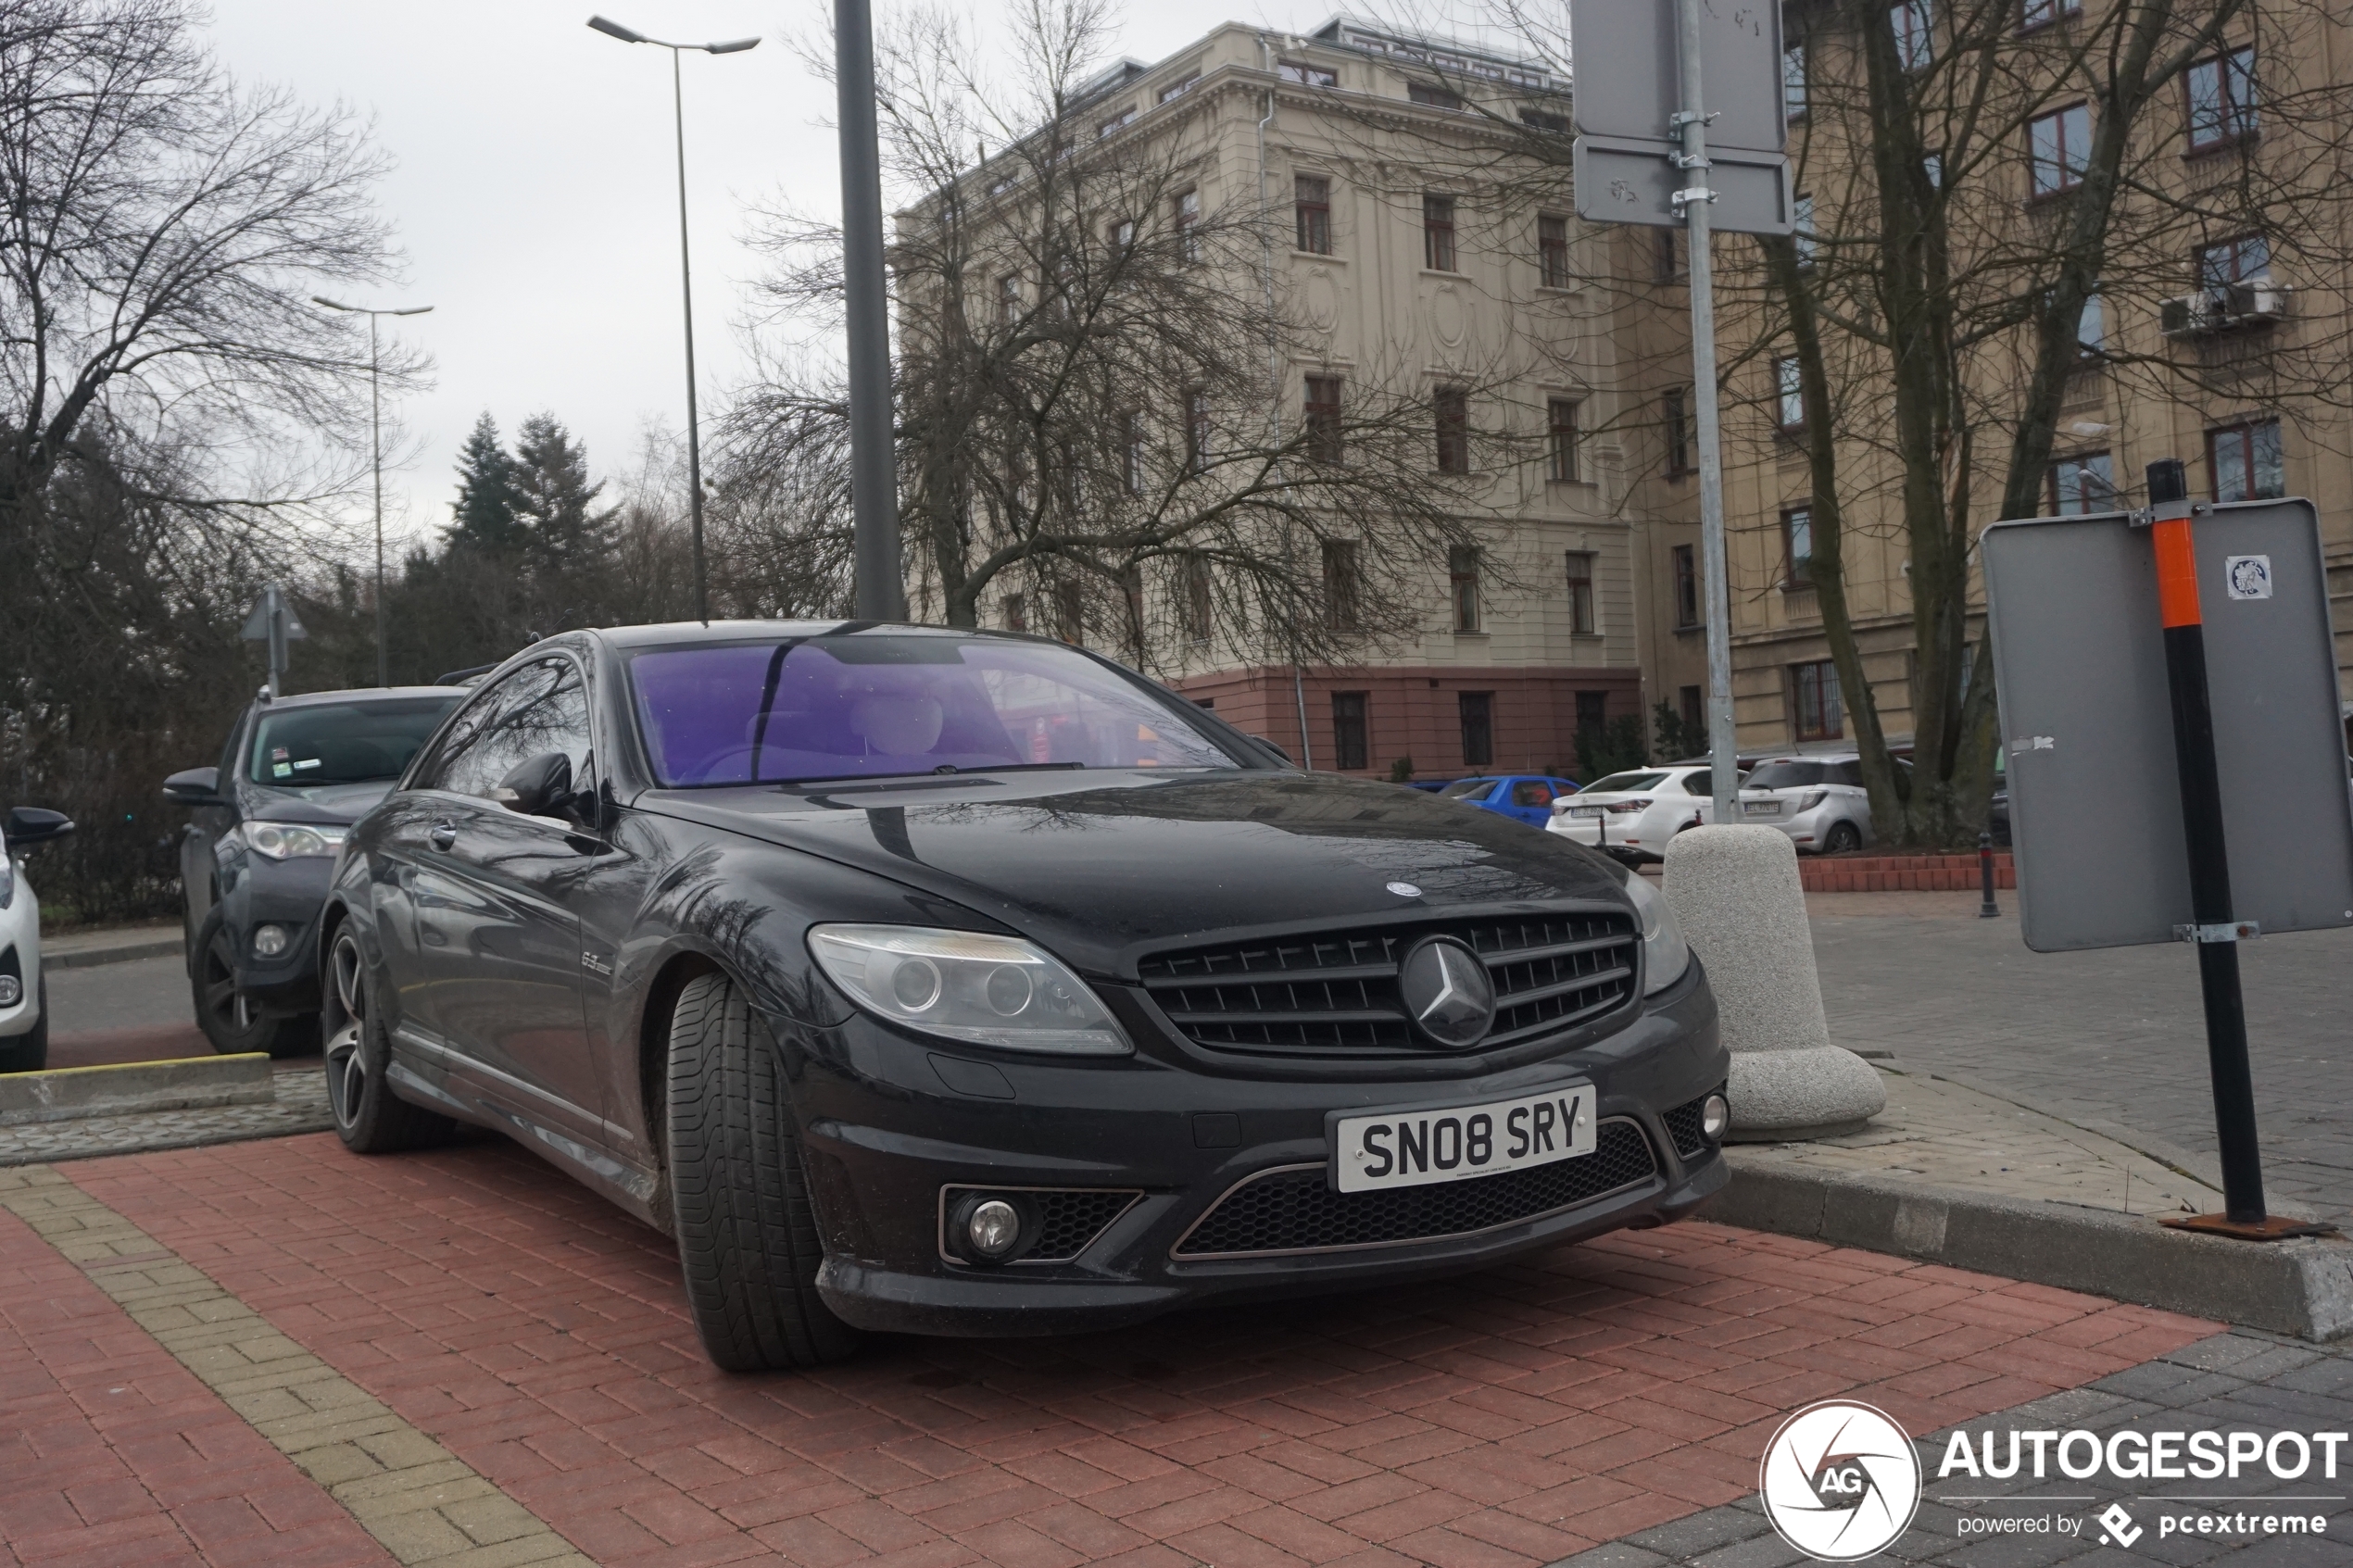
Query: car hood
{"points": [[328, 803], [1097, 864]]}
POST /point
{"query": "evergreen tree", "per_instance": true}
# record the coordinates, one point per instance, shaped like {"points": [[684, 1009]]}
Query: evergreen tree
{"points": [[566, 542], [487, 504]]}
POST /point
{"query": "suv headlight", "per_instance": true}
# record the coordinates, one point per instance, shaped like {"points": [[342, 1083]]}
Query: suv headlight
{"points": [[1664, 953], [290, 841], [964, 986]]}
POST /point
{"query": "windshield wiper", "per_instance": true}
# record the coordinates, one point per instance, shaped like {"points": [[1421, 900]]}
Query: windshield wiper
{"points": [[945, 768]]}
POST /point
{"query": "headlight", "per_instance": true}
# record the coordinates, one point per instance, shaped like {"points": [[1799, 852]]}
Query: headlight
{"points": [[7, 879], [1664, 953], [1812, 798], [290, 841], [963, 985]]}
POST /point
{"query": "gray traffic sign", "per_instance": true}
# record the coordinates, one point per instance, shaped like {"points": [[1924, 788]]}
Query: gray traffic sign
{"points": [[1628, 81], [1618, 179], [2088, 724]]}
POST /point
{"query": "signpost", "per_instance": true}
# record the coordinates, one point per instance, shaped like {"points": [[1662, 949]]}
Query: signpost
{"points": [[273, 622], [1680, 123], [2158, 670]]}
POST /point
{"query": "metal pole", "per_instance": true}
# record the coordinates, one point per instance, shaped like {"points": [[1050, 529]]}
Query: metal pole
{"points": [[686, 295], [274, 614], [376, 456], [2216, 932], [1988, 909], [873, 477], [1723, 742]]}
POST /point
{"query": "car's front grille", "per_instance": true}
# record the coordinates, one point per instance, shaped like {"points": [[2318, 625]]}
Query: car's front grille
{"points": [[1069, 1219], [1294, 1209], [1335, 993], [1682, 1126]]}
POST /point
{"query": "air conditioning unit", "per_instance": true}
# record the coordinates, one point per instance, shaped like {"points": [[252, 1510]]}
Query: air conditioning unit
{"points": [[2221, 309]]}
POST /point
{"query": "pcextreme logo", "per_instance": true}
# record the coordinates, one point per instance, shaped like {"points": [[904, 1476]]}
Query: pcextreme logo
{"points": [[1840, 1481]]}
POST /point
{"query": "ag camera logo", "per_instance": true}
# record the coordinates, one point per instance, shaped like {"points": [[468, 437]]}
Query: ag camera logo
{"points": [[1840, 1481]]}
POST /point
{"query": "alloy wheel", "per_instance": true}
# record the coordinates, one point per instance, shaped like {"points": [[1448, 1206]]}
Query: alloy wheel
{"points": [[222, 999], [347, 1058]]}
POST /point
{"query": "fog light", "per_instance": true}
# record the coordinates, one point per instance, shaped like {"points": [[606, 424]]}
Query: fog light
{"points": [[269, 941], [11, 990], [1714, 1116], [994, 1228]]}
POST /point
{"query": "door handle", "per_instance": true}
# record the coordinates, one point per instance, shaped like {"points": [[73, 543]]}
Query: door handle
{"points": [[444, 834]]}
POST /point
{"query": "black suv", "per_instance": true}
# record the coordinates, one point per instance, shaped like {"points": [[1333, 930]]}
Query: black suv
{"points": [[253, 864]]}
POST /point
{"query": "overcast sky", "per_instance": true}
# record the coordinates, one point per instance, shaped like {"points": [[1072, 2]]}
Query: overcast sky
{"points": [[533, 190]]}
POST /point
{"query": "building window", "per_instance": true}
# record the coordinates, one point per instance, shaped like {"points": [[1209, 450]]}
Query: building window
{"points": [[2245, 461], [2059, 146], [1797, 548], [1663, 256], [1794, 82], [2240, 260], [1692, 701], [1009, 299], [1177, 88], [1462, 576], [1679, 433], [1789, 389], [1343, 585], [1435, 98], [1322, 421], [1686, 587], [1438, 233], [1546, 119], [1452, 406], [1119, 122], [1016, 614], [1349, 749], [1122, 236], [1070, 613], [1814, 692], [1552, 251], [1561, 415], [1189, 226], [1802, 229], [2083, 485], [1131, 452], [2091, 328], [1478, 709], [1193, 604], [1302, 74], [2043, 13], [1592, 720], [1197, 429], [1915, 25], [1580, 594], [1312, 203], [2221, 100]]}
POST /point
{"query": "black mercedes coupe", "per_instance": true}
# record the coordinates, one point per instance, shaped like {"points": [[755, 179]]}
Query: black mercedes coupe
{"points": [[966, 983]]}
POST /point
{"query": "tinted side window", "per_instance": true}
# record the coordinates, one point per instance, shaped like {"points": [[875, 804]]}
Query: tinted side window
{"points": [[232, 751], [1699, 784], [1847, 773], [539, 709]]}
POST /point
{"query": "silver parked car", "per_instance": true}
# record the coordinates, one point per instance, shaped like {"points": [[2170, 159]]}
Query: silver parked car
{"points": [[1819, 801]]}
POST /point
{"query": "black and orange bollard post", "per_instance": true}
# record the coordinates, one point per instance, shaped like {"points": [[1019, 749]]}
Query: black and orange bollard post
{"points": [[1988, 909]]}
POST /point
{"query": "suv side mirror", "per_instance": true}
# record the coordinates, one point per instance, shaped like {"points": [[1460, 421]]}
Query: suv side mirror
{"points": [[196, 786], [28, 825], [537, 789]]}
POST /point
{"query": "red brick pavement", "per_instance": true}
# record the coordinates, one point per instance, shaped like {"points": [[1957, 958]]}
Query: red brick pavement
{"points": [[112, 1454], [1508, 1419]]}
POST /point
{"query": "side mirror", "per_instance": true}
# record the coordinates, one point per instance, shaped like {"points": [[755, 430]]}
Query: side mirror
{"points": [[537, 789], [196, 786], [28, 825]]}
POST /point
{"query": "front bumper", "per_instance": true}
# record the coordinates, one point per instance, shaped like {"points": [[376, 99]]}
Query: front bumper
{"points": [[1627, 839], [284, 893], [1806, 828], [884, 1135]]}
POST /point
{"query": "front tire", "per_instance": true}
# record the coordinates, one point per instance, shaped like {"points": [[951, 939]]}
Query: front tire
{"points": [[370, 1118], [747, 1233], [28, 1052], [227, 1020], [1842, 837]]}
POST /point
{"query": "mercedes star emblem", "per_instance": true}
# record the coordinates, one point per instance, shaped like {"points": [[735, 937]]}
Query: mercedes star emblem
{"points": [[1448, 992], [1405, 890]]}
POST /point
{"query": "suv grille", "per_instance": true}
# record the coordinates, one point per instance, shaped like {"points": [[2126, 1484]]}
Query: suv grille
{"points": [[1335, 993], [1293, 1210]]}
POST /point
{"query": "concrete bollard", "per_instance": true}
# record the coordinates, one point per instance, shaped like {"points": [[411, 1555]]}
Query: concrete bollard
{"points": [[1735, 892]]}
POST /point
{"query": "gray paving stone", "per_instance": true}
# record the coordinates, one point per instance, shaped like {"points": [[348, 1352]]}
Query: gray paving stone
{"points": [[1704, 1532], [1768, 1550], [1617, 1555]]}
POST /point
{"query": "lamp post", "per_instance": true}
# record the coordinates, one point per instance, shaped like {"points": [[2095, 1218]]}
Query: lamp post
{"points": [[376, 460], [686, 275]]}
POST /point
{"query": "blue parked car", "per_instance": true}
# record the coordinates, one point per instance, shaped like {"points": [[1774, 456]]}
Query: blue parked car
{"points": [[1526, 797]]}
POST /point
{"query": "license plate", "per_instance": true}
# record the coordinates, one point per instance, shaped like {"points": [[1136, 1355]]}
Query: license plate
{"points": [[1584, 810], [1416, 1145], [1762, 808]]}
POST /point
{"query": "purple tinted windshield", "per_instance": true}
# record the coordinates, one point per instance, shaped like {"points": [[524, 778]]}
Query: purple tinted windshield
{"points": [[831, 708]]}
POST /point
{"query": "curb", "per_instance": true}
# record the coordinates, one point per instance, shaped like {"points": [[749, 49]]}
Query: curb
{"points": [[84, 958], [2299, 1288], [69, 1094]]}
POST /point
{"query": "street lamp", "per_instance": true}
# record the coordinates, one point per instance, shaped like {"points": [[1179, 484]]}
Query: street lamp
{"points": [[376, 459], [685, 275]]}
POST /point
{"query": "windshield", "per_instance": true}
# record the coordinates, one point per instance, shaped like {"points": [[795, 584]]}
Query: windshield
{"points": [[872, 706], [1463, 787], [1787, 775], [1617, 782], [342, 743]]}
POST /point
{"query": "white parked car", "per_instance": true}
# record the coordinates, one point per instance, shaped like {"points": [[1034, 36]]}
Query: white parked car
{"points": [[1632, 815], [24, 1003], [1819, 801]]}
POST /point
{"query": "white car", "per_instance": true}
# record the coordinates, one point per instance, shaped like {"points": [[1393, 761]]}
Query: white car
{"points": [[1819, 801], [24, 1002], [1632, 815]]}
